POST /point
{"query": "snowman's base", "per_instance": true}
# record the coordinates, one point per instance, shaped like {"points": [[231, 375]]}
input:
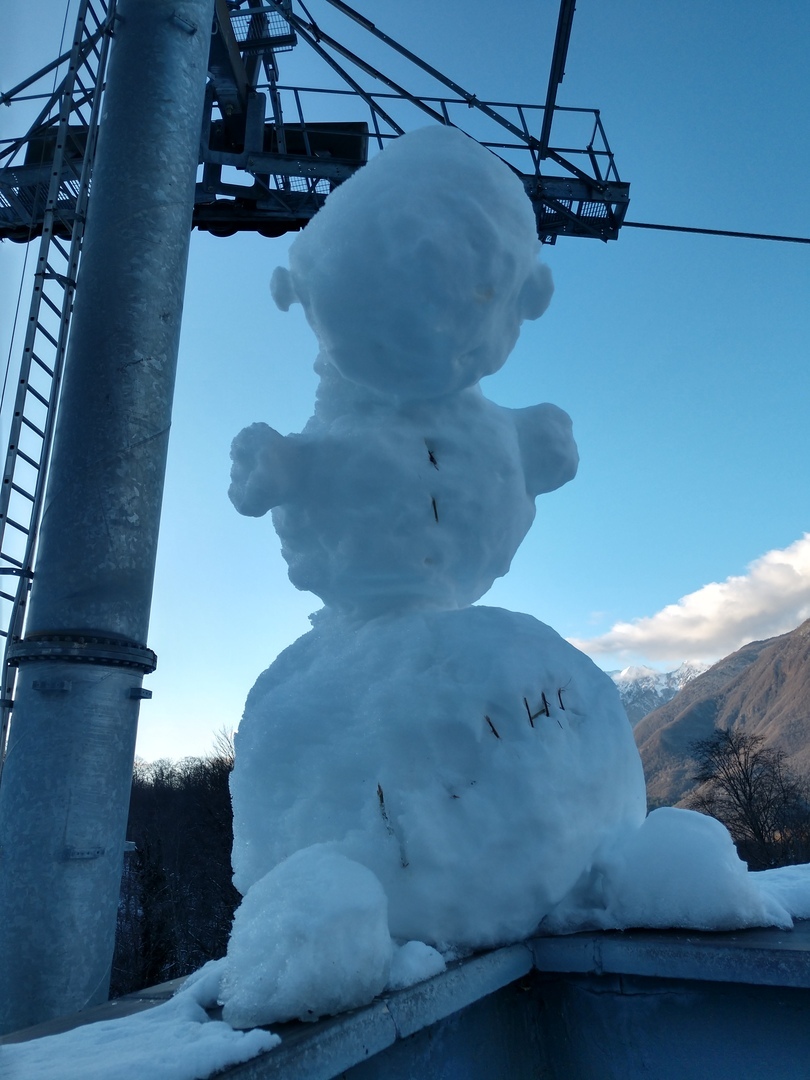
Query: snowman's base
{"points": [[472, 759]]}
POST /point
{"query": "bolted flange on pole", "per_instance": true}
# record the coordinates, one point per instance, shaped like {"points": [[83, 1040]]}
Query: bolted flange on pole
{"points": [[65, 788]]}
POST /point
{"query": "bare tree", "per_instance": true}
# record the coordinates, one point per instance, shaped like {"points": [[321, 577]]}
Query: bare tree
{"points": [[223, 751], [762, 803]]}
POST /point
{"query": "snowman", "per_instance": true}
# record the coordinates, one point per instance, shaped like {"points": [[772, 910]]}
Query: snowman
{"points": [[417, 777]]}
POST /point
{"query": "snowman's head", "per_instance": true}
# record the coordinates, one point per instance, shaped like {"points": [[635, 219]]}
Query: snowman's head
{"points": [[419, 270]]}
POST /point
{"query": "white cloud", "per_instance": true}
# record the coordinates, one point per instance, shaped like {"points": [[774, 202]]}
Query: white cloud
{"points": [[772, 597]]}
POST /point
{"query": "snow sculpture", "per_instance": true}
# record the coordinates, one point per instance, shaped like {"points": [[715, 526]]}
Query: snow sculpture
{"points": [[416, 776], [415, 279]]}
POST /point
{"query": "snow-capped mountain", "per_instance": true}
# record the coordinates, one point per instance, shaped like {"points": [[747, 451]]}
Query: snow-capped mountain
{"points": [[643, 689]]}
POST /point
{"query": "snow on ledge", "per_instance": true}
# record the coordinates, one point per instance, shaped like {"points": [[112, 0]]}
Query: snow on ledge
{"points": [[758, 957]]}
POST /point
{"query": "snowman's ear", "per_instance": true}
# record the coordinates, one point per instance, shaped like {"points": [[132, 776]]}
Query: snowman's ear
{"points": [[282, 288], [538, 288]]}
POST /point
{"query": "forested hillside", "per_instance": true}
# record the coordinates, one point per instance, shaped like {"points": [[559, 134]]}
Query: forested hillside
{"points": [[177, 900]]}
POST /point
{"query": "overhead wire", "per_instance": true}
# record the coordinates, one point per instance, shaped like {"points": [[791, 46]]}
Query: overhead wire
{"points": [[357, 17], [717, 232], [14, 327]]}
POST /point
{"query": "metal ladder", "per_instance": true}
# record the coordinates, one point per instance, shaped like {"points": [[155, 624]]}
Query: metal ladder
{"points": [[58, 202]]}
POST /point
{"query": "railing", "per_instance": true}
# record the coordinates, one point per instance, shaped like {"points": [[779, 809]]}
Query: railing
{"points": [[575, 188]]}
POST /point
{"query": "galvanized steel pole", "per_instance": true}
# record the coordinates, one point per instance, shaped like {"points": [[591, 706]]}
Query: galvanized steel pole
{"points": [[65, 787]]}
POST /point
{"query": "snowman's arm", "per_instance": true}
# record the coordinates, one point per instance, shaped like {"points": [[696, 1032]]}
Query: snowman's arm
{"points": [[263, 470], [547, 446]]}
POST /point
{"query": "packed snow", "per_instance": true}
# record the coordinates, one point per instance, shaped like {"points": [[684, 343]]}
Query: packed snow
{"points": [[417, 778], [408, 488], [468, 762], [679, 869], [426, 734], [412, 963], [339, 925], [394, 504], [417, 276], [173, 1041]]}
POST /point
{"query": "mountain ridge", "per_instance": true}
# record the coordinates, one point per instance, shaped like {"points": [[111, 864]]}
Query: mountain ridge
{"points": [[762, 689]]}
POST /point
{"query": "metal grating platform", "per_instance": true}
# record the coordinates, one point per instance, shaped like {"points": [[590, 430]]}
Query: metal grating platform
{"points": [[264, 29]]}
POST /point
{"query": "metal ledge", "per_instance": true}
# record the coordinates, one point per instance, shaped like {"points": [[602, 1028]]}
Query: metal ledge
{"points": [[328, 1048], [759, 957], [127, 1005]]}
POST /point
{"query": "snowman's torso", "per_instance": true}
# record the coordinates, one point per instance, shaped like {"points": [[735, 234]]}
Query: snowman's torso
{"points": [[406, 505]]}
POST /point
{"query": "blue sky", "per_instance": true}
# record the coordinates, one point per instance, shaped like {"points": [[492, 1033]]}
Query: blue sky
{"points": [[683, 360]]}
